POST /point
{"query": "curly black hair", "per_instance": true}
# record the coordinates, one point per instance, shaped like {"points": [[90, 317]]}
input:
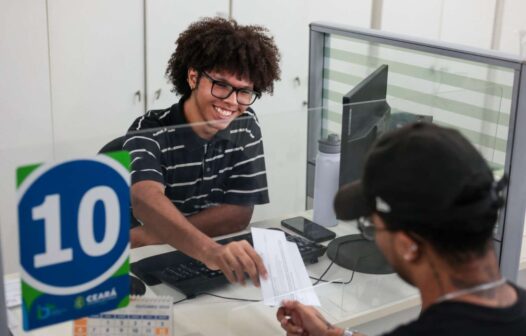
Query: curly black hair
{"points": [[224, 45]]}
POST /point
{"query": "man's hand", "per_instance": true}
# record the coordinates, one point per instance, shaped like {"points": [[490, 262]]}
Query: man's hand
{"points": [[298, 319], [235, 259]]}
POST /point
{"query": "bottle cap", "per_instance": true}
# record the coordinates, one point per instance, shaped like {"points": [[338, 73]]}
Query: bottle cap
{"points": [[330, 145]]}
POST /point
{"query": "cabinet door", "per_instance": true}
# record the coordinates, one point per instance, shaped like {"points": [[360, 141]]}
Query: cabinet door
{"points": [[288, 22], [283, 115], [165, 20], [468, 22], [24, 107], [96, 52]]}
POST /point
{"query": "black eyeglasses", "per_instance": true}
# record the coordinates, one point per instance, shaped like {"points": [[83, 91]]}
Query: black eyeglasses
{"points": [[223, 90], [367, 228]]}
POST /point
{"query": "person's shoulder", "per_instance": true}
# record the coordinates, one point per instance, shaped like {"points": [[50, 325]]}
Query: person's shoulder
{"points": [[249, 121], [417, 327], [250, 117], [433, 321], [154, 119], [521, 296], [245, 129]]}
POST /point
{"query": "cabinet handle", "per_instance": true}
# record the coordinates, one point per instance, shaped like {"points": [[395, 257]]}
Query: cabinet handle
{"points": [[138, 96], [157, 94], [297, 81]]}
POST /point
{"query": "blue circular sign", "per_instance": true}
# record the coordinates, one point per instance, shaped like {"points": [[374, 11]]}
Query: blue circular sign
{"points": [[74, 223]]}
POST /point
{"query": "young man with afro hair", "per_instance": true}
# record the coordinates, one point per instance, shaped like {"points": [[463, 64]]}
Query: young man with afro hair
{"points": [[198, 166]]}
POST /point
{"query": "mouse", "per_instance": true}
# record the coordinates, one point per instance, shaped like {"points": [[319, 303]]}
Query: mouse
{"points": [[137, 287]]}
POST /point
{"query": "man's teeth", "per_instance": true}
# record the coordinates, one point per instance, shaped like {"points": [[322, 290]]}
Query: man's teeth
{"points": [[225, 113]]}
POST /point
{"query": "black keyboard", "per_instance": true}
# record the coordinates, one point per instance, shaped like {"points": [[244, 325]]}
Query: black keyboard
{"points": [[192, 277]]}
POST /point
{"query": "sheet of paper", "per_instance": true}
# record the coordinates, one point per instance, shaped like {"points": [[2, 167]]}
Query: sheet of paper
{"points": [[13, 293], [288, 278]]}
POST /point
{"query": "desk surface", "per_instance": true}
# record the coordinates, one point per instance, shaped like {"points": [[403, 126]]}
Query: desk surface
{"points": [[366, 298]]}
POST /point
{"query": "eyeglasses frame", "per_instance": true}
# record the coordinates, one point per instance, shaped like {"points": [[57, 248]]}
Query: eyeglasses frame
{"points": [[256, 94]]}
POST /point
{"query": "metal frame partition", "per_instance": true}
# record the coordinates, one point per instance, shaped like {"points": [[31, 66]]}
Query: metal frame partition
{"points": [[508, 236]]}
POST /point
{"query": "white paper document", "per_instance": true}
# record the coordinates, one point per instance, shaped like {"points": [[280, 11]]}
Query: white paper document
{"points": [[13, 292], [287, 276]]}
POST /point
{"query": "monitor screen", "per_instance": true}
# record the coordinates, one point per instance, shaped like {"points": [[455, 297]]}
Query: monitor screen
{"points": [[365, 115]]}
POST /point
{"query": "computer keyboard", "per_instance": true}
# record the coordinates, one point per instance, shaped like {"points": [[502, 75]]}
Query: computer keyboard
{"points": [[192, 277]]}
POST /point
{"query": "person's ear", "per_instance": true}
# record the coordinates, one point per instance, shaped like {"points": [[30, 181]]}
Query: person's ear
{"points": [[406, 246], [192, 77]]}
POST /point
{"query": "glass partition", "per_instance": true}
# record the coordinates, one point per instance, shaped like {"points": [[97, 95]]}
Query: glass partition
{"points": [[275, 139], [471, 96], [263, 317], [477, 92]]}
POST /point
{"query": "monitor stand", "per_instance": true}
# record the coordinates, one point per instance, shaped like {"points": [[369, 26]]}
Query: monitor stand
{"points": [[356, 253]]}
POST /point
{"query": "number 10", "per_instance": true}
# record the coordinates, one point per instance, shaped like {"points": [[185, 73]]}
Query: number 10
{"points": [[49, 211]]}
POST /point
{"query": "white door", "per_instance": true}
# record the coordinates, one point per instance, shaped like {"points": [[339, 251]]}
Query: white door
{"points": [[468, 22], [24, 108], [165, 20], [283, 115], [97, 71]]}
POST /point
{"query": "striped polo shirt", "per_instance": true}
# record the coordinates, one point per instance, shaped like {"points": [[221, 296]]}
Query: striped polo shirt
{"points": [[199, 173]]}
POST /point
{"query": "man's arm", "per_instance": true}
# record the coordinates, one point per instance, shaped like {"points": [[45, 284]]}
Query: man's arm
{"points": [[222, 219], [162, 218], [219, 220]]}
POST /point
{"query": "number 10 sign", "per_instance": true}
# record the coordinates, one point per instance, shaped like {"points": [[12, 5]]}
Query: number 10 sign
{"points": [[74, 222]]}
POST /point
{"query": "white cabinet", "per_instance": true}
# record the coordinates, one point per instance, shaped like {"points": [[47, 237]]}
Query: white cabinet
{"points": [[96, 53], [165, 20], [468, 22], [108, 62], [283, 115], [25, 108], [513, 34]]}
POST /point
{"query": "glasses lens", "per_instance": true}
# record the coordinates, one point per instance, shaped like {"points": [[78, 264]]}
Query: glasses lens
{"points": [[246, 97], [221, 90], [366, 228]]}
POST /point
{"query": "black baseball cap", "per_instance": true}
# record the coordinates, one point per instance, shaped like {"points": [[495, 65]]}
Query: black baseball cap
{"points": [[421, 173]]}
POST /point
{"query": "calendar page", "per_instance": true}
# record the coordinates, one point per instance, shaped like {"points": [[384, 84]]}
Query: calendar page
{"points": [[144, 316]]}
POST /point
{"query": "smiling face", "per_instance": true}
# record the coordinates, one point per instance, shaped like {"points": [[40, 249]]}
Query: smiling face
{"points": [[212, 114]]}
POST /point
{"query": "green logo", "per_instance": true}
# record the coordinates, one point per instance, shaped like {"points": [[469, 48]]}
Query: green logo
{"points": [[79, 302], [45, 311]]}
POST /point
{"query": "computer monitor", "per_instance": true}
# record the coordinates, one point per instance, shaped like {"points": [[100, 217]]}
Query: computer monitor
{"points": [[365, 116]]}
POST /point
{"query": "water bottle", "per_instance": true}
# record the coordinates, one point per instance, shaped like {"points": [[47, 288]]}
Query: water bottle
{"points": [[326, 177]]}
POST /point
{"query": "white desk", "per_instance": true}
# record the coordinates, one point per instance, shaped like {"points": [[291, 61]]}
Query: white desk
{"points": [[366, 298]]}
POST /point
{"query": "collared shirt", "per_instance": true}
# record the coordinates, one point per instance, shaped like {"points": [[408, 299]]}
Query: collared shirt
{"points": [[199, 173]]}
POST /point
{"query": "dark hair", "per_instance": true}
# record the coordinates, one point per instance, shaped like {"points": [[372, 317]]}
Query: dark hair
{"points": [[458, 241], [223, 45]]}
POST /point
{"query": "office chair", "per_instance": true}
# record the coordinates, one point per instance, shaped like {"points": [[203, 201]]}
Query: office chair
{"points": [[137, 287], [113, 146]]}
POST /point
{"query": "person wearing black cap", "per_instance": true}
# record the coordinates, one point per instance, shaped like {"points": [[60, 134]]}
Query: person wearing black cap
{"points": [[429, 200]]}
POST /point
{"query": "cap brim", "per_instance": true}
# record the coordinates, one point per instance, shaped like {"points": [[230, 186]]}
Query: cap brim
{"points": [[350, 202]]}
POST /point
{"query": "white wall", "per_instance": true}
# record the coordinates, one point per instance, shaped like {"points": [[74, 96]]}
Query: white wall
{"points": [[514, 27], [350, 12], [97, 66], [413, 17], [25, 107], [161, 32], [468, 22]]}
